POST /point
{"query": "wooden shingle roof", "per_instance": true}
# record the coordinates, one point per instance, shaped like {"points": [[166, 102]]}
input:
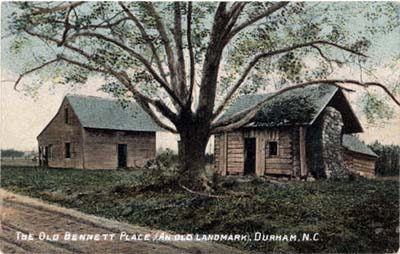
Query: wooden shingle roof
{"points": [[102, 113], [352, 143]]}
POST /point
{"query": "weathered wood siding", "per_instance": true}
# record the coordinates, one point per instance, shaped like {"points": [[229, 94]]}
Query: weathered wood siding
{"points": [[282, 163], [360, 164], [296, 165], [57, 133], [229, 151], [235, 153], [101, 148], [219, 153]]}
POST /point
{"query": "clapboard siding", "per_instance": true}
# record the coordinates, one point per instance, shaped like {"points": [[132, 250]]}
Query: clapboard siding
{"points": [[57, 133], [101, 148], [93, 148]]}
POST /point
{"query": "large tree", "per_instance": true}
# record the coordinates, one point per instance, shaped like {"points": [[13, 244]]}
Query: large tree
{"points": [[184, 62]]}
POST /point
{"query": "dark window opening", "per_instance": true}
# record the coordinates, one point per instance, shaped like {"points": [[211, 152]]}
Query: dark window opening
{"points": [[66, 116], [273, 148], [67, 150], [122, 155]]}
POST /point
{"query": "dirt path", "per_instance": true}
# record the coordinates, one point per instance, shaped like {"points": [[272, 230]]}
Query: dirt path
{"points": [[27, 215]]}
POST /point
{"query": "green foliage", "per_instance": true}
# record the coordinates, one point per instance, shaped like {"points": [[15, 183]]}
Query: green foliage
{"points": [[11, 153], [19, 43], [388, 163], [354, 215], [168, 158], [354, 25], [377, 109]]}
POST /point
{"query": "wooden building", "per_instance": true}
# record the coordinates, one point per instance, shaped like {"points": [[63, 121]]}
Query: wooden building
{"points": [[96, 133], [303, 132]]}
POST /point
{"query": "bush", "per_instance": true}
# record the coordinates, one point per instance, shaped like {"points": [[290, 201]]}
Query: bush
{"points": [[388, 163], [167, 158], [160, 174]]}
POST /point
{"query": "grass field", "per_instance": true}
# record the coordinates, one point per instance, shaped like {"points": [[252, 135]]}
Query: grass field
{"points": [[20, 162], [355, 215]]}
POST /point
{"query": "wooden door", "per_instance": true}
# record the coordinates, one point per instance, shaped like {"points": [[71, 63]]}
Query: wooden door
{"points": [[250, 156], [46, 156]]}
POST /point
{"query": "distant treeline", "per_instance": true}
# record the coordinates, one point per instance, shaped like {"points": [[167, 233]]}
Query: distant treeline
{"points": [[11, 153], [388, 163]]}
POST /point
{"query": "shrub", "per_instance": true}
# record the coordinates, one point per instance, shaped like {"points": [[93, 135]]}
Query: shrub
{"points": [[388, 163], [167, 158], [160, 174]]}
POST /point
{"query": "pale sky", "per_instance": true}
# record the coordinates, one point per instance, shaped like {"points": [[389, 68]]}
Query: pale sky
{"points": [[23, 117]]}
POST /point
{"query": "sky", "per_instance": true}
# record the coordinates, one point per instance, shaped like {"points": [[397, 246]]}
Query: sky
{"points": [[23, 117]]}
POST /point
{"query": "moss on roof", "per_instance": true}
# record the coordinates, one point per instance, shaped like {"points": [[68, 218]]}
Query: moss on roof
{"points": [[299, 106], [101, 113]]}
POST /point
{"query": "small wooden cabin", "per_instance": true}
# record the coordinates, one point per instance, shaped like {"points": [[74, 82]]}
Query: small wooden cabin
{"points": [[96, 133], [300, 133]]}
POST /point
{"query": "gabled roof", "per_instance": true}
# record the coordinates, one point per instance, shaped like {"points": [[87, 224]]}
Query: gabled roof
{"points": [[101, 113], [352, 143], [300, 106]]}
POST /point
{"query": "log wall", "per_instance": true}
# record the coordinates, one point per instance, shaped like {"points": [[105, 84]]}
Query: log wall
{"points": [[235, 153], [359, 163], [229, 152], [282, 163]]}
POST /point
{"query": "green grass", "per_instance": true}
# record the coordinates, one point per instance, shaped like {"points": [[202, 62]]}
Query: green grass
{"points": [[358, 215], [20, 162]]}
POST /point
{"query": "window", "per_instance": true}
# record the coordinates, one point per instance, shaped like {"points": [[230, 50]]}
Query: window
{"points": [[273, 148], [66, 116], [67, 150]]}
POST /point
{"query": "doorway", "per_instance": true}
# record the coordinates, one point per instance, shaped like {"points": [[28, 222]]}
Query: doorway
{"points": [[250, 156], [122, 155]]}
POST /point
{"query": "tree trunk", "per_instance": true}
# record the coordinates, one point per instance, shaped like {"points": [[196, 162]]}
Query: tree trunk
{"points": [[192, 148]]}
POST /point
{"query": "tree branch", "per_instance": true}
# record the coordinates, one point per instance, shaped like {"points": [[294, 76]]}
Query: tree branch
{"points": [[234, 14], [82, 65], [42, 11], [212, 62], [142, 100], [167, 44], [136, 55], [358, 83], [191, 53], [66, 26], [329, 60], [243, 117], [269, 11], [21, 76], [146, 37], [121, 76], [180, 68], [260, 56], [156, 119]]}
